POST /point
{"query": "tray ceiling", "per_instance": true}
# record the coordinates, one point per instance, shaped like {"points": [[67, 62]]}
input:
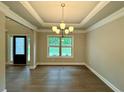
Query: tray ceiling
{"points": [[80, 14]]}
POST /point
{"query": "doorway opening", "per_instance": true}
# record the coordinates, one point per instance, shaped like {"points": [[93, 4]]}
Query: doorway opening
{"points": [[18, 48]]}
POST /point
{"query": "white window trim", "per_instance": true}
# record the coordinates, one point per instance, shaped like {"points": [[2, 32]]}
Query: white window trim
{"points": [[60, 56]]}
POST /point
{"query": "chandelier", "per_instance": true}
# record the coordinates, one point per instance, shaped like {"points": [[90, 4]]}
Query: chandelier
{"points": [[62, 29]]}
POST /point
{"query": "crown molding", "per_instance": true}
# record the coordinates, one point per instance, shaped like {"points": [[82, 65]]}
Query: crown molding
{"points": [[112, 17], [98, 7], [57, 24], [9, 13], [49, 31], [31, 10]]}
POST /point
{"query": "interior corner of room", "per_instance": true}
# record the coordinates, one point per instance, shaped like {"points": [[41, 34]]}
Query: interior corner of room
{"points": [[96, 43]]}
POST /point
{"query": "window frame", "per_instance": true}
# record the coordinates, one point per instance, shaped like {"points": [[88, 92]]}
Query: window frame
{"points": [[72, 47]]}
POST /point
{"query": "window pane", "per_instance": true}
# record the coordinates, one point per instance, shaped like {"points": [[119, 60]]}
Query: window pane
{"points": [[54, 41], [19, 45], [53, 51], [66, 51], [11, 48], [67, 41]]}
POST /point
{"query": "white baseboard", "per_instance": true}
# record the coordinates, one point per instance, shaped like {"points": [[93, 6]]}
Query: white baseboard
{"points": [[32, 67], [81, 63], [103, 79], [4, 90], [9, 63], [60, 63]]}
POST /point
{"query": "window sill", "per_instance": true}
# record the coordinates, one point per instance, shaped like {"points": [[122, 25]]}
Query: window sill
{"points": [[60, 57]]}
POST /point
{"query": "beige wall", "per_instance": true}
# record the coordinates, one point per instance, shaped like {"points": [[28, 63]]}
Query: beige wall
{"points": [[41, 40], [34, 47], [79, 49], [105, 52], [14, 28], [2, 52]]}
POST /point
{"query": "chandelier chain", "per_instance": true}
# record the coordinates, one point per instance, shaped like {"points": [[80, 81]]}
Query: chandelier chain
{"points": [[62, 5], [63, 29]]}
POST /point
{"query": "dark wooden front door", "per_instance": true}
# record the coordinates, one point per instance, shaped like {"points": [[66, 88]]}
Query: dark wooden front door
{"points": [[19, 49]]}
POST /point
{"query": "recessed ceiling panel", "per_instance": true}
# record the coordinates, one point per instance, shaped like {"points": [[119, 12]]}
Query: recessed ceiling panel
{"points": [[16, 7], [74, 12]]}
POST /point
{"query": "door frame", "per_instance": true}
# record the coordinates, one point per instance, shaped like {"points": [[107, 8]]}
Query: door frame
{"points": [[18, 57], [8, 49]]}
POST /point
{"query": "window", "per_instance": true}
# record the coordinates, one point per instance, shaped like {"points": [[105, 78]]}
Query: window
{"points": [[60, 46], [29, 58], [11, 48]]}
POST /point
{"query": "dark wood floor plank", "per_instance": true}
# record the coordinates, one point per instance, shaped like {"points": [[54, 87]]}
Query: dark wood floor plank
{"points": [[53, 79]]}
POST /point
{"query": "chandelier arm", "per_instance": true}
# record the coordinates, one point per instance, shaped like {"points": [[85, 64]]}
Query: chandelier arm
{"points": [[62, 29]]}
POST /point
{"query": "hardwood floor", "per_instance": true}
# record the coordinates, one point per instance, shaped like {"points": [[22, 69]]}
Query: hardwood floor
{"points": [[53, 79]]}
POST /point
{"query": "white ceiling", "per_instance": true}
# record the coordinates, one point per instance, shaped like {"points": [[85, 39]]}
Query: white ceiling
{"points": [[80, 14], [74, 12]]}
